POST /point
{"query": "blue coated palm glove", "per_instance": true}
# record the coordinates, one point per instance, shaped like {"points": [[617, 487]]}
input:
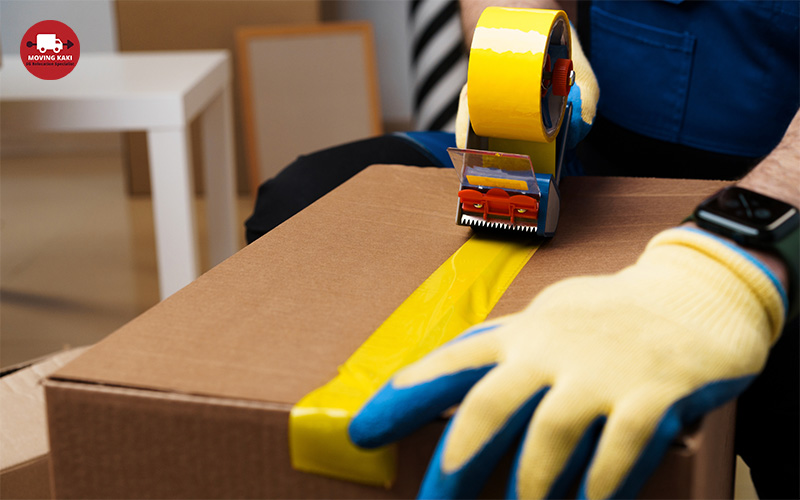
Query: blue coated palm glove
{"points": [[596, 376]]}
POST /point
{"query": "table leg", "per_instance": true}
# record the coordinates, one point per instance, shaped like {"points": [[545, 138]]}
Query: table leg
{"points": [[220, 177], [173, 208]]}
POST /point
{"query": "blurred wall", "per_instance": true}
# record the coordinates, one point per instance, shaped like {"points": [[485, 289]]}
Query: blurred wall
{"points": [[145, 25], [393, 48], [95, 23]]}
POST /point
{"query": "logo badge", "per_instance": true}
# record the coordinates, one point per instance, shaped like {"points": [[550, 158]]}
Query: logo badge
{"points": [[50, 50]]}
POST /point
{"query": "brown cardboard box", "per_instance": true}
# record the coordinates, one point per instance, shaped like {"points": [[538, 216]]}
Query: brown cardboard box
{"points": [[191, 399], [24, 453]]}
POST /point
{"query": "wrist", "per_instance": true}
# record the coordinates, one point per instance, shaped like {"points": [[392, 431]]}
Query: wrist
{"points": [[736, 261], [763, 228], [768, 259]]}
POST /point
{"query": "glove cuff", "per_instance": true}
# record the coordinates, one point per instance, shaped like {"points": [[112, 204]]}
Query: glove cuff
{"points": [[748, 269]]}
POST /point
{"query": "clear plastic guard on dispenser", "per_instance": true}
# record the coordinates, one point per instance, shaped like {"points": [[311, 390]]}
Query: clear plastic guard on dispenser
{"points": [[488, 169]]}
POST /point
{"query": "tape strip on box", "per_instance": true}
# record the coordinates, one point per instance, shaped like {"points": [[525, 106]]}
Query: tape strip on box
{"points": [[458, 295]]}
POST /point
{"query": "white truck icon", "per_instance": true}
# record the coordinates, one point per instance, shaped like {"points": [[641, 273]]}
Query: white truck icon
{"points": [[48, 41]]}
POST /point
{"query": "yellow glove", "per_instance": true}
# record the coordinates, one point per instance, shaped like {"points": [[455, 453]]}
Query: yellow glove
{"points": [[583, 96], [462, 119], [598, 373]]}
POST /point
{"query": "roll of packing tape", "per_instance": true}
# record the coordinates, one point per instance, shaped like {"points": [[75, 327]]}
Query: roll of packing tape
{"points": [[508, 64]]}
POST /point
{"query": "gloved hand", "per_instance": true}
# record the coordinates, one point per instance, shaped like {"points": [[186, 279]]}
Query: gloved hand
{"points": [[598, 373], [583, 96]]}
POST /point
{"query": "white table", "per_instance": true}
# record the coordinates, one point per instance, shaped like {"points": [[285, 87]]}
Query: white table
{"points": [[160, 93]]}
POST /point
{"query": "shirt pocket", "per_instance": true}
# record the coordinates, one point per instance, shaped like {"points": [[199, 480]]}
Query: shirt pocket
{"points": [[643, 73]]}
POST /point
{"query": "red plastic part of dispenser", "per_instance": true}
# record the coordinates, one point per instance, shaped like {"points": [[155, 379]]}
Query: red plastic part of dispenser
{"points": [[561, 71], [497, 202]]}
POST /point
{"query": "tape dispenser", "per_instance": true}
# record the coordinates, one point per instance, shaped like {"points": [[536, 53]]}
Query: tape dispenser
{"points": [[520, 74]]}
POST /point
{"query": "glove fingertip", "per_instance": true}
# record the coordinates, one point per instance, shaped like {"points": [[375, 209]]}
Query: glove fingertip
{"points": [[394, 413], [376, 423], [363, 433]]}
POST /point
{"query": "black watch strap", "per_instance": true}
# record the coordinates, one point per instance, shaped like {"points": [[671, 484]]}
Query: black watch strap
{"points": [[788, 249]]}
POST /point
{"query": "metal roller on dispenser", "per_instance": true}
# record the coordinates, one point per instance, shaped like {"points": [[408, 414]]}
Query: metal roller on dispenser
{"points": [[520, 74]]}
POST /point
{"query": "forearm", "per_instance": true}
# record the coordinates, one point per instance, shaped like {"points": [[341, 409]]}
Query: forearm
{"points": [[471, 10], [778, 175], [771, 261]]}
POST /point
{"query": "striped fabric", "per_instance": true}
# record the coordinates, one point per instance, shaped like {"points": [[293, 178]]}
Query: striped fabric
{"points": [[439, 62]]}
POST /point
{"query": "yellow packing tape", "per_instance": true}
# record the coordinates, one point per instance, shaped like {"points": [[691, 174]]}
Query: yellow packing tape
{"points": [[478, 180], [506, 62], [459, 294], [542, 154]]}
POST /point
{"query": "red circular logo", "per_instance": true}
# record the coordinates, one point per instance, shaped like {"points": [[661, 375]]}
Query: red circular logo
{"points": [[50, 50]]}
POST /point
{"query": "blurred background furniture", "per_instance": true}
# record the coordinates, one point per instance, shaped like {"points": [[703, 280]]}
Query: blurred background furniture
{"points": [[330, 98], [159, 93], [193, 25]]}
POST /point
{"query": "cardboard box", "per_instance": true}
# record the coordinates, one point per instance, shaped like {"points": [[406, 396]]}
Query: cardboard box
{"points": [[24, 452], [191, 399]]}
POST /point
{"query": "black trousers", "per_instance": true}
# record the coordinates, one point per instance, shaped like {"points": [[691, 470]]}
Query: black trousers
{"points": [[310, 177], [767, 424]]}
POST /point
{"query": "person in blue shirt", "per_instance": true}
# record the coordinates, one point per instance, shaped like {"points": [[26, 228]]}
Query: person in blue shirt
{"points": [[711, 85], [687, 90]]}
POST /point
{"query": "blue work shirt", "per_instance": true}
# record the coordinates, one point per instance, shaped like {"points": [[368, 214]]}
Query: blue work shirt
{"points": [[720, 76]]}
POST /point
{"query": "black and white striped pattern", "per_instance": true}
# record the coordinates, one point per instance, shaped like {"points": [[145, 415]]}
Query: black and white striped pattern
{"points": [[439, 62]]}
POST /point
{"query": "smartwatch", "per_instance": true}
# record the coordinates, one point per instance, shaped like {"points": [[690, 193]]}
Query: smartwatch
{"points": [[754, 220]]}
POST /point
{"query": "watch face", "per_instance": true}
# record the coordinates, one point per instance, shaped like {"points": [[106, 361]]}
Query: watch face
{"points": [[748, 214]]}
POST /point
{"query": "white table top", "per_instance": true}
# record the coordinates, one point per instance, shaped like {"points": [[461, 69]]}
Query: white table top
{"points": [[109, 75], [167, 87]]}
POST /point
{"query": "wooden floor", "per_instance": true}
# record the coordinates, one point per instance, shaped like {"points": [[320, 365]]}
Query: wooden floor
{"points": [[77, 254], [77, 257]]}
